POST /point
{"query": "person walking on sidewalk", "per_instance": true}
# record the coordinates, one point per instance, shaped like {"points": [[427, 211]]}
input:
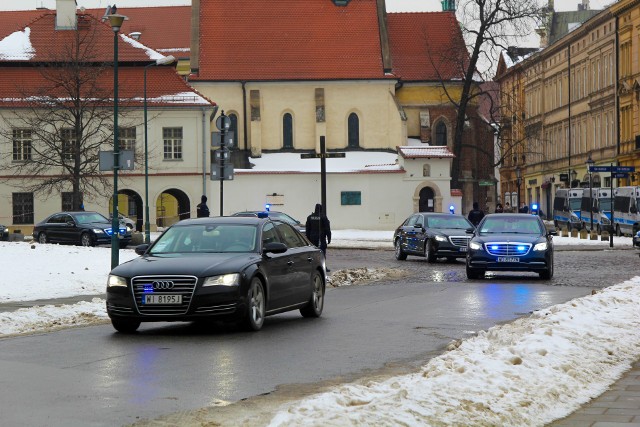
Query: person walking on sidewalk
{"points": [[476, 215], [318, 229], [202, 209]]}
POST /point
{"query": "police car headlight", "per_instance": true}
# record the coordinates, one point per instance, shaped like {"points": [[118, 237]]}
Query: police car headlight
{"points": [[223, 280], [475, 246], [116, 281], [98, 230], [541, 246], [441, 238]]}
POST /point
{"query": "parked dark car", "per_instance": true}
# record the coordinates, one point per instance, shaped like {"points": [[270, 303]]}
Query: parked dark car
{"points": [[84, 228], [510, 242], [432, 235], [240, 269], [4, 233], [281, 216]]}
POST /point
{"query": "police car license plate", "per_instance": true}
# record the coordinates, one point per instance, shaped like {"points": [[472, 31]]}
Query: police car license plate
{"points": [[508, 259], [162, 299], [464, 249]]}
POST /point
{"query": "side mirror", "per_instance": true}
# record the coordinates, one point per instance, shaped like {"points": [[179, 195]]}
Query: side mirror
{"points": [[274, 247], [470, 230], [141, 249], [552, 233], [418, 225], [70, 223]]}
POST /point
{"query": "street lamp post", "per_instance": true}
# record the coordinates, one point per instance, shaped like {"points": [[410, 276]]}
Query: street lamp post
{"points": [[590, 163], [147, 226], [574, 177], [115, 21], [518, 182]]}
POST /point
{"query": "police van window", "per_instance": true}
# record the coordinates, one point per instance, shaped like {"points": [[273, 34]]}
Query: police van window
{"points": [[289, 236]]}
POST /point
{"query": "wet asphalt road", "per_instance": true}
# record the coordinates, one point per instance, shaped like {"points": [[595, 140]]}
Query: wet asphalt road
{"points": [[94, 377]]}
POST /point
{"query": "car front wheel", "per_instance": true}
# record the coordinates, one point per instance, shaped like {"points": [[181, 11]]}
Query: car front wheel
{"points": [[548, 273], [316, 302], [400, 255], [86, 239], [429, 253], [42, 237], [254, 318], [125, 326], [473, 273]]}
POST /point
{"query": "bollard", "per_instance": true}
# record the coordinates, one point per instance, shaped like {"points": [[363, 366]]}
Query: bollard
{"points": [[593, 235], [604, 236], [574, 233], [583, 234]]}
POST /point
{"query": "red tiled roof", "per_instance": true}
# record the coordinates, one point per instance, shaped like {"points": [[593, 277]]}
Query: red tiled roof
{"points": [[164, 87], [289, 40], [412, 35], [166, 29]]}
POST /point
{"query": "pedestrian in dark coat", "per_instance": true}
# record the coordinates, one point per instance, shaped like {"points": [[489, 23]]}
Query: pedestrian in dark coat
{"points": [[318, 229], [202, 209], [476, 215]]}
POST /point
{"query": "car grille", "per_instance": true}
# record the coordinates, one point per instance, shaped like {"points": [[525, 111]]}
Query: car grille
{"points": [[507, 248], [182, 285], [462, 241]]}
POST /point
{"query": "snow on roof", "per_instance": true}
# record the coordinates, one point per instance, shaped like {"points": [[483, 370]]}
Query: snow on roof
{"points": [[177, 98], [354, 161], [427, 151], [152, 54], [17, 46]]}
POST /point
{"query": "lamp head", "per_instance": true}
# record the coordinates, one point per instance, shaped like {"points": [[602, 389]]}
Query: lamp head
{"points": [[116, 20]]}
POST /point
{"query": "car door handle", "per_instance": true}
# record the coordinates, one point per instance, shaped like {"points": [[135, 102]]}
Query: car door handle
{"points": [[310, 259], [289, 263]]}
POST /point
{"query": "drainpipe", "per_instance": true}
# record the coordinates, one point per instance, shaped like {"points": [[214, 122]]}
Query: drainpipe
{"points": [[244, 121]]}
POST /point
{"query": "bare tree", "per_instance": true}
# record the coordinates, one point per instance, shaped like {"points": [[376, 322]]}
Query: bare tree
{"points": [[69, 118], [488, 27]]}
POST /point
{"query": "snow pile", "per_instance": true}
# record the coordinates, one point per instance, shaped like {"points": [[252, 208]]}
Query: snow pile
{"points": [[525, 373], [358, 276]]}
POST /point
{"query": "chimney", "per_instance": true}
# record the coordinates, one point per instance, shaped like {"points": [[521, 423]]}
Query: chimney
{"points": [[66, 14], [195, 37]]}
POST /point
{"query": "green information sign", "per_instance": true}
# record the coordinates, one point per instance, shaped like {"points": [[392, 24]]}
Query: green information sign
{"points": [[485, 183], [350, 198]]}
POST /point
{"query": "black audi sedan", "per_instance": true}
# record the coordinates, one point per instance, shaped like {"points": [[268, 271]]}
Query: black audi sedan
{"points": [[83, 228], [432, 235], [510, 242], [240, 269], [4, 233]]}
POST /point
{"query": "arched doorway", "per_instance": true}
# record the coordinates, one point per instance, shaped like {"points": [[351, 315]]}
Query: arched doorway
{"points": [[129, 205], [427, 200], [172, 206]]}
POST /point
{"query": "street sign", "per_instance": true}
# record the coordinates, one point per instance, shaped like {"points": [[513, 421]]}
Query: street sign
{"points": [[624, 168], [106, 160], [485, 183], [321, 155], [620, 175], [613, 169], [228, 138], [221, 155], [223, 122], [600, 169], [216, 173], [564, 177]]}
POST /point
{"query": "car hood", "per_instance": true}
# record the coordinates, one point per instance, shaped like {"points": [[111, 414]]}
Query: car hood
{"points": [[449, 231], [201, 265], [510, 237]]}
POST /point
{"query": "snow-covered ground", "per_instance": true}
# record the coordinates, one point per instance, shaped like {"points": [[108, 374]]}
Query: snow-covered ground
{"points": [[525, 373]]}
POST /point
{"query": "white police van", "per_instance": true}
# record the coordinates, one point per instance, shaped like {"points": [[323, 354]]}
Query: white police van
{"points": [[626, 203], [566, 208], [605, 200]]}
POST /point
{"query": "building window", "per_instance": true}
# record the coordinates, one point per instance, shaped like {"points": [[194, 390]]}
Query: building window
{"points": [[287, 131], [354, 131], [441, 134], [69, 140], [21, 145], [234, 128], [127, 139], [67, 201], [22, 208], [172, 143]]}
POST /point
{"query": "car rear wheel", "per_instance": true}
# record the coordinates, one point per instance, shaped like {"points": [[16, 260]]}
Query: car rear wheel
{"points": [[254, 319], [316, 302], [548, 273], [86, 239], [42, 237], [125, 326], [429, 253], [474, 273], [400, 255]]}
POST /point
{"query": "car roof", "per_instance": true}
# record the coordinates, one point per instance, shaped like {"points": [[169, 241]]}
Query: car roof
{"points": [[223, 220], [440, 214]]}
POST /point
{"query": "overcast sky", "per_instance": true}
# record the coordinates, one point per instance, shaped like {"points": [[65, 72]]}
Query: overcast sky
{"points": [[392, 5]]}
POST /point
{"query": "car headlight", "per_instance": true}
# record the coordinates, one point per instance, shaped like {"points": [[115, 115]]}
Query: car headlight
{"points": [[98, 230], [223, 280], [116, 281], [475, 246], [541, 246], [441, 238]]}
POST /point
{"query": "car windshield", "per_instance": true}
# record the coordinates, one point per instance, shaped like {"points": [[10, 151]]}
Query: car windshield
{"points": [[89, 217], [575, 204], [448, 222], [605, 204], [511, 225], [207, 238]]}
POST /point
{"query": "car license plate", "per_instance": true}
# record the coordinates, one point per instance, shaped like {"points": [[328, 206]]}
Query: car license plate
{"points": [[508, 259], [463, 249], [162, 299]]}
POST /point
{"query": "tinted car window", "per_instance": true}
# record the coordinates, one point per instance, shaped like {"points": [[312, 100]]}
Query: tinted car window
{"points": [[89, 217], [207, 238], [289, 236], [269, 234], [524, 225], [56, 219], [448, 222], [412, 221]]}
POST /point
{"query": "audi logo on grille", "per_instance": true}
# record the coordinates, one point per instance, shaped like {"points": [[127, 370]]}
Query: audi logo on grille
{"points": [[163, 284]]}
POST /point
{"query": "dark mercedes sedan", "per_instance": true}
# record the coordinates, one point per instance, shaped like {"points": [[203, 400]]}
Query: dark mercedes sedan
{"points": [[432, 235], [240, 269], [79, 228], [510, 242]]}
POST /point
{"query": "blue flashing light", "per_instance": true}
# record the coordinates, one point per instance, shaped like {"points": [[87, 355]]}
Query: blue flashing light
{"points": [[534, 207], [494, 247], [522, 248], [267, 207], [147, 288], [452, 209], [108, 231]]}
